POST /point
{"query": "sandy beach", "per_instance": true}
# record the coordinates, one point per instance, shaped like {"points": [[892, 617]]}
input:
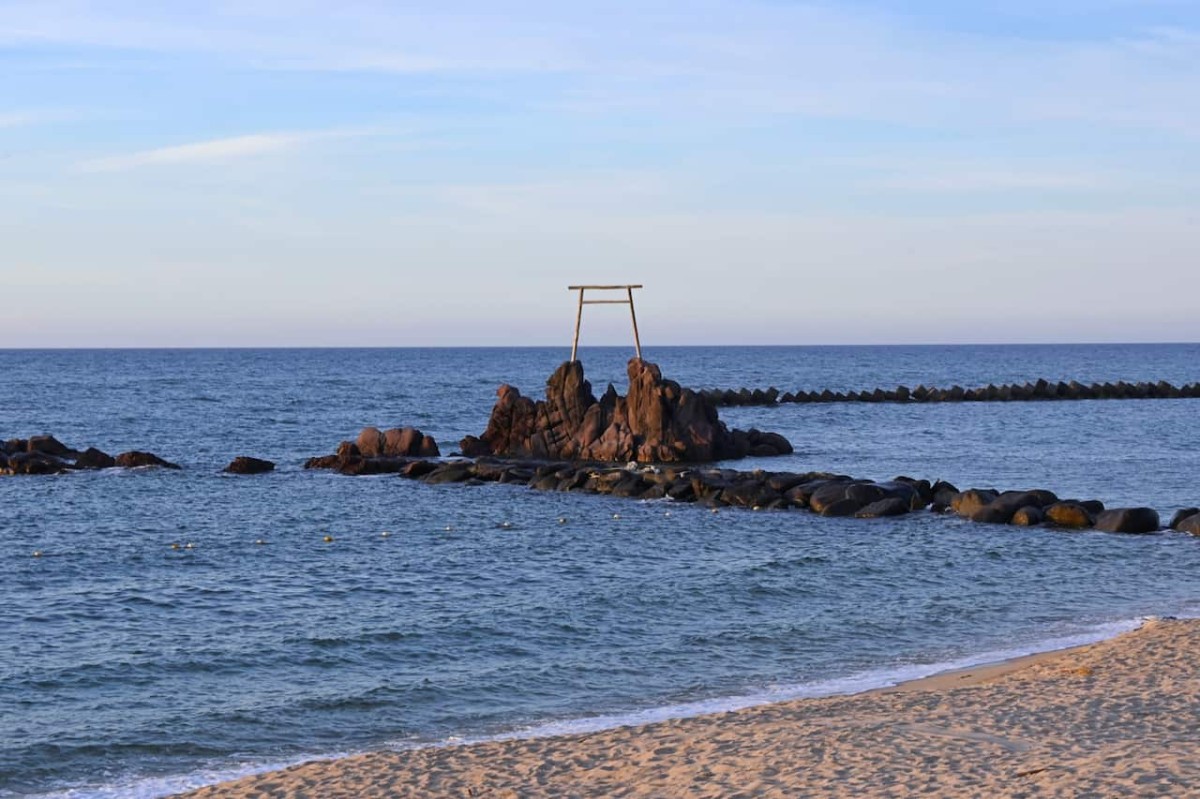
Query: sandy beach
{"points": [[1112, 719]]}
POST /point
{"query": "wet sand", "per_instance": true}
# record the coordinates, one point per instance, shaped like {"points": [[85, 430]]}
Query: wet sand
{"points": [[1120, 718]]}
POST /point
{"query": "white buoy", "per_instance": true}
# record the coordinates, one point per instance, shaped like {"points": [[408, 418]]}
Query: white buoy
{"points": [[37, 553], [189, 545], [506, 525], [616, 515], [716, 510], [562, 519], [384, 534], [260, 542], [667, 514], [328, 539], [449, 528]]}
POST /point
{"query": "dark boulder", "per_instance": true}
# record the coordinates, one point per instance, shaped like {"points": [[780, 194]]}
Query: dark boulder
{"points": [[244, 464], [449, 473], [1128, 520], [34, 463], [1068, 514], [966, 503], [842, 507], [92, 458], [1180, 515], [49, 445], [828, 494], [1028, 516], [891, 506], [866, 493], [943, 494], [1094, 506], [417, 469], [136, 460], [1191, 524]]}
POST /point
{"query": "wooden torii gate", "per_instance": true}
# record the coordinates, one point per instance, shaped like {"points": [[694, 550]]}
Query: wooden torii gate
{"points": [[628, 289]]}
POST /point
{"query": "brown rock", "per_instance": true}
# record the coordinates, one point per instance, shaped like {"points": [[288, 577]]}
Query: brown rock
{"points": [[92, 458], [244, 464], [966, 503], [658, 421], [892, 506], [1068, 514], [1180, 515], [1128, 520], [49, 445], [400, 443], [135, 460], [1028, 516], [371, 442], [1191, 524]]}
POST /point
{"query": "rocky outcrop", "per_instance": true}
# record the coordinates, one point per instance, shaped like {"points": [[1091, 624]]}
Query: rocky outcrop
{"points": [[47, 455], [378, 451], [244, 464], [656, 422]]}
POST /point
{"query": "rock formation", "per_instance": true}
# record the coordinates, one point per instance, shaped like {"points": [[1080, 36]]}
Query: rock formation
{"points": [[657, 422], [378, 452], [47, 455]]}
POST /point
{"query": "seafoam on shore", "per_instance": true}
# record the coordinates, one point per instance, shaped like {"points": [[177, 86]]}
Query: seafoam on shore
{"points": [[153, 788], [1114, 718]]}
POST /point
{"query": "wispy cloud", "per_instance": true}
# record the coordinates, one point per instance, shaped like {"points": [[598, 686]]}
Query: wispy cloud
{"points": [[16, 119], [216, 150]]}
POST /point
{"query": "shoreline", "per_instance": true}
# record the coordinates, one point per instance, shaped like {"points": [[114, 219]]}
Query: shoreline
{"points": [[753, 744]]}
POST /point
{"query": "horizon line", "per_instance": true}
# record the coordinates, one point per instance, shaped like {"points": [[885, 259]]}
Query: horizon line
{"points": [[202, 347]]}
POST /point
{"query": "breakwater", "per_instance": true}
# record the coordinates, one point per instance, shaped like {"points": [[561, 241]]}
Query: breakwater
{"points": [[1039, 391], [830, 495]]}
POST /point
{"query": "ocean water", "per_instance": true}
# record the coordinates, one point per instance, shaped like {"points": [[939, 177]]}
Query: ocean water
{"points": [[128, 668]]}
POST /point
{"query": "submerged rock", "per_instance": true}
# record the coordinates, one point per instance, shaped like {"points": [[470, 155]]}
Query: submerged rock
{"points": [[244, 464], [136, 459]]}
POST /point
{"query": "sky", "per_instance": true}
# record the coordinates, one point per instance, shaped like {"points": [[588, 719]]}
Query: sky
{"points": [[295, 173]]}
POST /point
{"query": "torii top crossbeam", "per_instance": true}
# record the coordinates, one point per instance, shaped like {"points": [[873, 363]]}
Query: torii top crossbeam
{"points": [[628, 289]]}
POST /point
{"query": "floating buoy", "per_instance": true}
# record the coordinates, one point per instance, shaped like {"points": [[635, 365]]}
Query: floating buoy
{"points": [[37, 553], [562, 519], [506, 525], [175, 545], [616, 515], [757, 507], [716, 510], [328, 539], [667, 514], [384, 534], [260, 542], [189, 545]]}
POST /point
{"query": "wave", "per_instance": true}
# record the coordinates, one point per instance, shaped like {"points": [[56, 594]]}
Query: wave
{"points": [[161, 786]]}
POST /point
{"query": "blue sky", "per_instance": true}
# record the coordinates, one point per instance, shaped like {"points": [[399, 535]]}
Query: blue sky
{"points": [[371, 173]]}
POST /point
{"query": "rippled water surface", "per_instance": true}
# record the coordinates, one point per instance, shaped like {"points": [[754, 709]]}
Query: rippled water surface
{"points": [[128, 668]]}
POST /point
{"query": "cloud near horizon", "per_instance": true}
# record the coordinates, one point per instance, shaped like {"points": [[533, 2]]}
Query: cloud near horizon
{"points": [[442, 147]]}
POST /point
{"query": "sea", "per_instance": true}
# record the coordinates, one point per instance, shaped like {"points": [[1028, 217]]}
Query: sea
{"points": [[130, 667]]}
